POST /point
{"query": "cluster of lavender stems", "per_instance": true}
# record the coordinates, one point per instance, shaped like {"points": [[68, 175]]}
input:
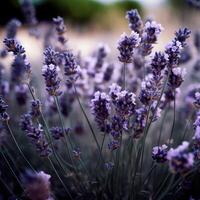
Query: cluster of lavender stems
{"points": [[123, 109]]}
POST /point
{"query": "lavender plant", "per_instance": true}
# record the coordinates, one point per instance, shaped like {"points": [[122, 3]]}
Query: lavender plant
{"points": [[128, 149]]}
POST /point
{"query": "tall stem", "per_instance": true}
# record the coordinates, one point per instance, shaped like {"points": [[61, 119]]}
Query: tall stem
{"points": [[18, 147], [60, 179], [89, 124]]}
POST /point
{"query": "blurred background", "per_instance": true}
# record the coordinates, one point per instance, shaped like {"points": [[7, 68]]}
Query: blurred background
{"points": [[92, 21]]}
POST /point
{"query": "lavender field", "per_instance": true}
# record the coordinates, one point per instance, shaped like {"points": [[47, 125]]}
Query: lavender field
{"points": [[100, 111]]}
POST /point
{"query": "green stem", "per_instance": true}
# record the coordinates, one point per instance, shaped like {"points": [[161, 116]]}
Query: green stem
{"points": [[18, 147], [52, 165], [89, 124], [6, 160]]}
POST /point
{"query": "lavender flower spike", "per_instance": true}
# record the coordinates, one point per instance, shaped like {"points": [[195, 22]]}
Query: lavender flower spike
{"points": [[37, 186], [159, 153], [149, 37], [52, 80], [126, 45], [3, 110], [180, 161], [100, 106], [182, 35], [12, 27], [13, 46], [134, 19]]}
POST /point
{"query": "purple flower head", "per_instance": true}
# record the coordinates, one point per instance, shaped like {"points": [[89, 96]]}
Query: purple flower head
{"points": [[59, 24], [66, 103], [11, 28], [36, 135], [100, 106], [186, 55], [37, 186], [100, 55], [126, 46], [20, 69], [14, 46], [150, 90], [180, 161], [77, 153], [29, 12], [196, 138], [194, 3], [182, 35], [51, 57], [35, 108], [139, 122], [115, 89], [57, 132], [4, 88], [38, 139], [2, 72], [116, 127], [26, 123], [60, 28], [21, 92], [197, 99], [125, 103], [113, 145], [159, 153], [3, 108], [197, 121], [70, 64], [109, 165], [173, 50], [3, 135], [134, 19], [108, 73], [158, 63], [52, 79], [150, 35], [176, 77], [197, 40], [151, 31]]}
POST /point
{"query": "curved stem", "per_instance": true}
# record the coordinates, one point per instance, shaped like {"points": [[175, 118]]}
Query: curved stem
{"points": [[7, 162], [89, 124], [52, 165], [18, 147]]}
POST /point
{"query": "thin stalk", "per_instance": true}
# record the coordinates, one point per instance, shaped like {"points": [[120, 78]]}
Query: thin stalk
{"points": [[52, 165], [174, 118], [161, 187], [148, 174], [124, 76], [18, 147], [89, 124], [161, 127], [7, 187], [65, 136], [7, 162], [48, 135]]}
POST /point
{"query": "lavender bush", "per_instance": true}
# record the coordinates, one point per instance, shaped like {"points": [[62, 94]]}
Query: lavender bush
{"points": [[99, 129]]}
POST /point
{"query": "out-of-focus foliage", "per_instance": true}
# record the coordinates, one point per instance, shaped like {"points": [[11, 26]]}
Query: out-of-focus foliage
{"points": [[76, 11]]}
